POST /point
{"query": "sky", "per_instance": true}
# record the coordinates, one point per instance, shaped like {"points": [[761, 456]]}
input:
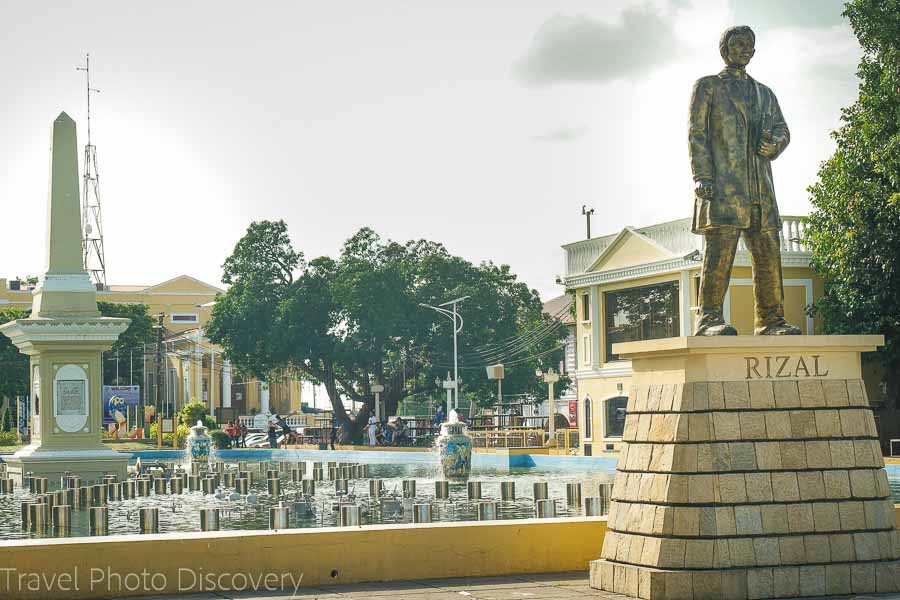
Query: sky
{"points": [[482, 125]]}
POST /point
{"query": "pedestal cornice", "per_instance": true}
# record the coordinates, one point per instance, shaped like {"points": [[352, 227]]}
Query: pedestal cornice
{"points": [[755, 343], [25, 333]]}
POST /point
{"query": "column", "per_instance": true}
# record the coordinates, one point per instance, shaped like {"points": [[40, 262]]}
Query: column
{"points": [[595, 328], [198, 363], [226, 383], [186, 375], [212, 382], [685, 303], [263, 398]]}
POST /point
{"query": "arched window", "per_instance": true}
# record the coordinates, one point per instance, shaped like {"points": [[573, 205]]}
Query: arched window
{"points": [[588, 418], [615, 415]]}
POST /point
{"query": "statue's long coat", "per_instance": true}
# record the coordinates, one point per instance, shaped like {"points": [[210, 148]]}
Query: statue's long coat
{"points": [[728, 115]]}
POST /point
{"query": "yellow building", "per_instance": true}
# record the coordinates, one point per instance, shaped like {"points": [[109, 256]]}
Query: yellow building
{"points": [[185, 301], [197, 371], [642, 284], [195, 367]]}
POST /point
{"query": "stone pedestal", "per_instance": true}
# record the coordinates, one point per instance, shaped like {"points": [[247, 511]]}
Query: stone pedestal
{"points": [[751, 469]]}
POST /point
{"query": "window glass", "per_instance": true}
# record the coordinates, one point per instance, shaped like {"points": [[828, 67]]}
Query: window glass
{"points": [[615, 416], [585, 307], [648, 312], [184, 318], [588, 419]]}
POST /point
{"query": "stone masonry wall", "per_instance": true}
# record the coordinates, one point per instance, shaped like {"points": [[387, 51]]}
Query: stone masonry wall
{"points": [[749, 489]]}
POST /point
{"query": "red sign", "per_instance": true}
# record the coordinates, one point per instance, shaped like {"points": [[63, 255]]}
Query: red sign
{"points": [[573, 413]]}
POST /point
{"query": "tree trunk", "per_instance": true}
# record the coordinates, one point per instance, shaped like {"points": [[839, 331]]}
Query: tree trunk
{"points": [[348, 428]]}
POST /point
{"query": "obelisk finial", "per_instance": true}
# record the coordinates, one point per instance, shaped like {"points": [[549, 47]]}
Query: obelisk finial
{"points": [[65, 290]]}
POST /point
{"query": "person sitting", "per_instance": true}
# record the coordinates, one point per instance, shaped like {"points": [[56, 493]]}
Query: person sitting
{"points": [[401, 432], [439, 418], [387, 433]]}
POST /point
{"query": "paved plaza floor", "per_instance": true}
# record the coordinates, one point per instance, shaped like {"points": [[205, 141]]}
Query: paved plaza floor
{"points": [[549, 586]]}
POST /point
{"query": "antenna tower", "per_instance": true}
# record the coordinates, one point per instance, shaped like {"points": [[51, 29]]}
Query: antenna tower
{"points": [[91, 223]]}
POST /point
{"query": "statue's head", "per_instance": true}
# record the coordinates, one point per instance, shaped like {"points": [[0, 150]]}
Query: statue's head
{"points": [[737, 46]]}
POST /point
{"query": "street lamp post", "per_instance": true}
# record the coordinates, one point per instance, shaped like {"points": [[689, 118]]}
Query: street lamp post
{"points": [[550, 377], [452, 315]]}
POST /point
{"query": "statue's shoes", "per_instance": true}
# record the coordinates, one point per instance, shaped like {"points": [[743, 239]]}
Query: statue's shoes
{"points": [[716, 329], [781, 327]]}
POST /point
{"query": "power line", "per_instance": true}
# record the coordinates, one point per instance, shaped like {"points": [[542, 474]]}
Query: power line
{"points": [[537, 334]]}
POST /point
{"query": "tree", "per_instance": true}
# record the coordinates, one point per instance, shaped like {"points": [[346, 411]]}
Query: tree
{"points": [[13, 364], [854, 229], [130, 345], [356, 320], [6, 421]]}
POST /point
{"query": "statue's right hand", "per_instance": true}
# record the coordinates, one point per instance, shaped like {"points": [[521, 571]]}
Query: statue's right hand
{"points": [[704, 189]]}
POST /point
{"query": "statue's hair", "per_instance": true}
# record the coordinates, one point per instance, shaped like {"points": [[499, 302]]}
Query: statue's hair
{"points": [[726, 35]]}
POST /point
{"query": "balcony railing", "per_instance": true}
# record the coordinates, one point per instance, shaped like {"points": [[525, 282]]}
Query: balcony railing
{"points": [[675, 236], [566, 439]]}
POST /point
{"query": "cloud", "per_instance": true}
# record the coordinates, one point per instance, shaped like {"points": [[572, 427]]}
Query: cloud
{"points": [[581, 49], [563, 134], [795, 13]]}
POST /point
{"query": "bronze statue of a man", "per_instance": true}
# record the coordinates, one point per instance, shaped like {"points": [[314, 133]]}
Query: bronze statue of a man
{"points": [[736, 130]]}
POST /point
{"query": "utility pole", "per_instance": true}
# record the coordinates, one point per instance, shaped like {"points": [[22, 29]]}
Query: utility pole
{"points": [[159, 354], [587, 212]]}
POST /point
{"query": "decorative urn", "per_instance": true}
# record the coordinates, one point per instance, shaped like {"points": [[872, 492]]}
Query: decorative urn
{"points": [[199, 443], [454, 447]]}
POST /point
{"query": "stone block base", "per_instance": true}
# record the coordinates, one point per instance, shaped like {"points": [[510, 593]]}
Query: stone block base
{"points": [[875, 577], [90, 466]]}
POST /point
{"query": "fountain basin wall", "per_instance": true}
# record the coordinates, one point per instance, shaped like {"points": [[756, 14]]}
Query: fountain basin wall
{"points": [[510, 459], [184, 563]]}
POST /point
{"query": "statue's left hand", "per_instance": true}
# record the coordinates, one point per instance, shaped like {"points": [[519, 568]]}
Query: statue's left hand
{"points": [[768, 146]]}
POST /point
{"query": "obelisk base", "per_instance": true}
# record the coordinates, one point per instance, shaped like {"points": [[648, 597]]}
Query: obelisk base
{"points": [[790, 581]]}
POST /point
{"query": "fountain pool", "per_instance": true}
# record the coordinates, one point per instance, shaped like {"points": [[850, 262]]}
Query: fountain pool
{"points": [[181, 512]]}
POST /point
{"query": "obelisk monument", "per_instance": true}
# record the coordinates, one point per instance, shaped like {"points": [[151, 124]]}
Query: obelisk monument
{"points": [[65, 336]]}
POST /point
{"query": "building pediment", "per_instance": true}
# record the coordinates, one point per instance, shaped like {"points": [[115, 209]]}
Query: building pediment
{"points": [[628, 249], [182, 284]]}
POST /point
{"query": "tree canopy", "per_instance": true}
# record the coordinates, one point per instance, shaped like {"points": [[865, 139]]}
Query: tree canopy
{"points": [[129, 347], [854, 229], [13, 364], [357, 319]]}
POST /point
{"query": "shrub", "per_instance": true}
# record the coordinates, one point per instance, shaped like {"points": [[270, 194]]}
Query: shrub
{"points": [[195, 411], [8, 438], [220, 439], [181, 433]]}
